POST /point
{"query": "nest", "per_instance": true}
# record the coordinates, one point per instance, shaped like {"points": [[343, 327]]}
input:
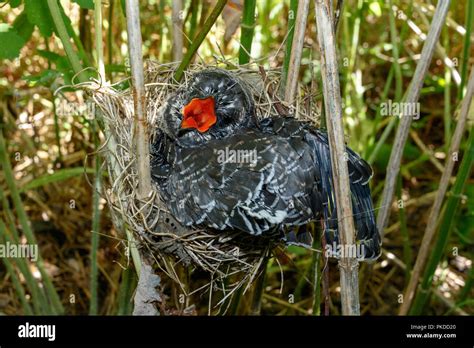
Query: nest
{"points": [[219, 253]]}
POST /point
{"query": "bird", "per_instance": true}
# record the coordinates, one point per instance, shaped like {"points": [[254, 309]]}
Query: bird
{"points": [[218, 166]]}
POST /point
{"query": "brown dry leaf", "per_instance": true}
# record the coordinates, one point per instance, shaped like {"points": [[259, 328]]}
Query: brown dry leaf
{"points": [[231, 15], [146, 294]]}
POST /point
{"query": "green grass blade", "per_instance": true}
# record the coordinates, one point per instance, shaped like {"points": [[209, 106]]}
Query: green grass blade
{"points": [[126, 291], [395, 53], [467, 286], [57, 176], [57, 131], [316, 272], [259, 289], [237, 299], [378, 117], [65, 39], [466, 47], [289, 40], [247, 31], [95, 234], [110, 38], [447, 95], [38, 297], [199, 38], [11, 271], [407, 254], [25, 224], [446, 226], [386, 132], [194, 8]]}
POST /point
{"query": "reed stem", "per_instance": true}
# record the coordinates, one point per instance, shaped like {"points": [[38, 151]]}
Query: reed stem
{"points": [[199, 38], [247, 30]]}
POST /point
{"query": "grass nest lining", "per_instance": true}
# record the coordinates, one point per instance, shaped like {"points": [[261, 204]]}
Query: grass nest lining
{"points": [[158, 234]]}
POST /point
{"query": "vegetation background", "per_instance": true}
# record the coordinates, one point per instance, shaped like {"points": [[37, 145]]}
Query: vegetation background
{"points": [[47, 151]]}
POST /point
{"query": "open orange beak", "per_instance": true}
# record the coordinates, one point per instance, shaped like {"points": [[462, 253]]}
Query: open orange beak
{"points": [[199, 114]]}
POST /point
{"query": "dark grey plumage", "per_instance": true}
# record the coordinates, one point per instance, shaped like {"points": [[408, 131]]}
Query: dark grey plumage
{"points": [[288, 183]]}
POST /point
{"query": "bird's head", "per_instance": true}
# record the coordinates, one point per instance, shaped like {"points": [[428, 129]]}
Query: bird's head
{"points": [[213, 105]]}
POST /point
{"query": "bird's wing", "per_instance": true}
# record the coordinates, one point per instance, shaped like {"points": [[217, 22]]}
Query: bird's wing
{"points": [[323, 198], [262, 187]]}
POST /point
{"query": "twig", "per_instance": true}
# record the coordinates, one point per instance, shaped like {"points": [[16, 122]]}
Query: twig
{"points": [[280, 108], [435, 210], [440, 50], [289, 42], [413, 94], [296, 51], [177, 19], [140, 135], [285, 304], [426, 150], [332, 101]]}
